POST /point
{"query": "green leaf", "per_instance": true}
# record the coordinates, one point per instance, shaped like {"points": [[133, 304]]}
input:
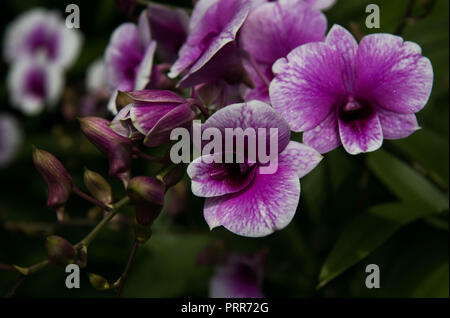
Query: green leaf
{"points": [[430, 150], [406, 183], [367, 232]]}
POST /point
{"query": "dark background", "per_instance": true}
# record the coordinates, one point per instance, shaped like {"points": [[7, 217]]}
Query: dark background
{"points": [[344, 221]]}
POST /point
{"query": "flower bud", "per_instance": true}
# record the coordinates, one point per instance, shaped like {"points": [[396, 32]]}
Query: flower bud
{"points": [[151, 113], [99, 282], [59, 251], [116, 147], [147, 194], [174, 176], [98, 186], [58, 180]]}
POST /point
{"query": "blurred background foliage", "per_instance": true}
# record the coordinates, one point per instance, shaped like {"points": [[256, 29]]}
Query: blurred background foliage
{"points": [[388, 208]]}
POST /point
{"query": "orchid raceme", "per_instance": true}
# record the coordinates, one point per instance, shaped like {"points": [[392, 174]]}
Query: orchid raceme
{"points": [[193, 134], [338, 92], [241, 197]]}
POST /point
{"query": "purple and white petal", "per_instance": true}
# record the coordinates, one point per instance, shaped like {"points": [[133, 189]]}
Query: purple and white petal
{"points": [[144, 71], [361, 135], [393, 73], [325, 136], [10, 138], [143, 26], [345, 45], [179, 116], [214, 24], [155, 96], [145, 117], [300, 158], [253, 114], [306, 85], [122, 125], [397, 126], [274, 29], [123, 57], [269, 204]]}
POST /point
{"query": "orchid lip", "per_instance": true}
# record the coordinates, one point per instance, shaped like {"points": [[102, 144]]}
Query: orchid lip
{"points": [[355, 109]]}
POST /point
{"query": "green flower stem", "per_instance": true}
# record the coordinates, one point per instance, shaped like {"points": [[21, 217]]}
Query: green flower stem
{"points": [[32, 269], [93, 234], [124, 276], [409, 15], [90, 199], [84, 242]]}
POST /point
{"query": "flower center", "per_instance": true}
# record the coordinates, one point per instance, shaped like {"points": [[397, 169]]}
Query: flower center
{"points": [[354, 109], [235, 171]]}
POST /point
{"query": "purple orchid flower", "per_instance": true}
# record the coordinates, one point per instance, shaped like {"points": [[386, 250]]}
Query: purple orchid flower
{"points": [[169, 28], [40, 31], [240, 196], [129, 58], [10, 139], [337, 92], [34, 82], [241, 276], [271, 31], [210, 49], [151, 115]]}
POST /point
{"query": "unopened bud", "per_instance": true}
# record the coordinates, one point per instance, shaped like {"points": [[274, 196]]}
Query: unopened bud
{"points": [[59, 251], [58, 180], [98, 186], [116, 147], [174, 176], [147, 194], [98, 282]]}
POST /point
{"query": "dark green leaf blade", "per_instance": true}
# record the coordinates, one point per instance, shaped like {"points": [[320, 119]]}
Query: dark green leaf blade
{"points": [[368, 231], [406, 183]]}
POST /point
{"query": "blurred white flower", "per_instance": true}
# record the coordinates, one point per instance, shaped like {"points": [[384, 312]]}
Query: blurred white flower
{"points": [[42, 31], [95, 77], [33, 83]]}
